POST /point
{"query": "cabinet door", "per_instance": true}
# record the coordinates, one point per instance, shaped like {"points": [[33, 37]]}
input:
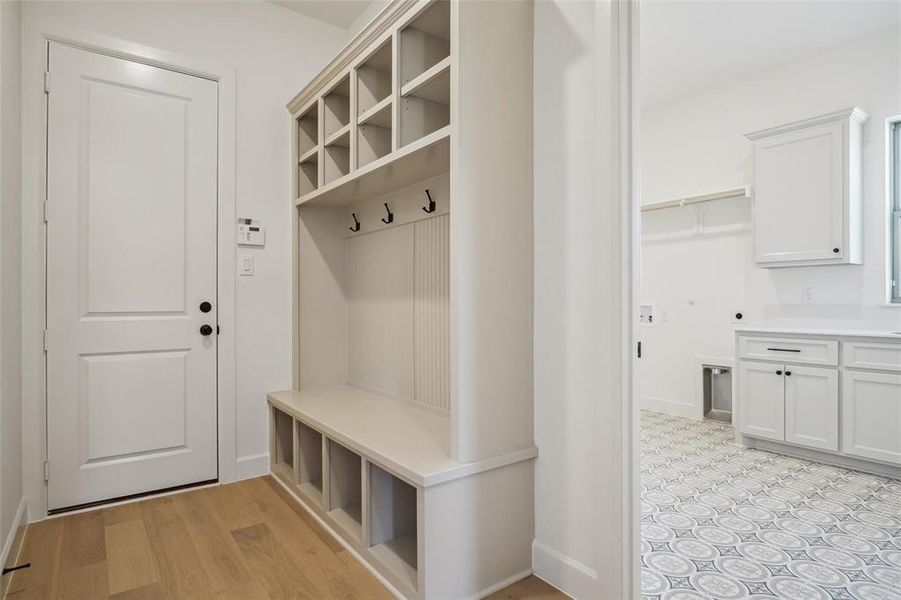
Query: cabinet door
{"points": [[799, 196], [811, 407], [761, 397], [871, 415]]}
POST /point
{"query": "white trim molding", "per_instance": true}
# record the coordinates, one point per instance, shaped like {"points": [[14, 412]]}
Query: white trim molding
{"points": [[34, 126]]}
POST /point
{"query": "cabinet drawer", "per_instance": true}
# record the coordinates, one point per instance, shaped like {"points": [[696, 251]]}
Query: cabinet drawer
{"points": [[872, 355], [812, 352]]}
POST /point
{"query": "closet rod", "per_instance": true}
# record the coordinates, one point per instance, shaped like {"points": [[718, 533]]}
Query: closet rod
{"points": [[742, 192]]}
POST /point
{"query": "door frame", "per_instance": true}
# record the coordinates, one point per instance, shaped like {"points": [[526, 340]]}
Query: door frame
{"points": [[34, 272]]}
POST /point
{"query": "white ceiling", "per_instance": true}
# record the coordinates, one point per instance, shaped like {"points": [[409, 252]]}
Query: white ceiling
{"points": [[687, 45], [337, 12]]}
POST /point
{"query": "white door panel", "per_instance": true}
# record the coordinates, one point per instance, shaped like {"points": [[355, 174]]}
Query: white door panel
{"points": [[131, 254], [871, 415], [761, 398], [811, 407]]}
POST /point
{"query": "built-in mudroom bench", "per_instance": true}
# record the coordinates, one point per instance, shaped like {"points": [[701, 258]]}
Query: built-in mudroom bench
{"points": [[408, 432], [828, 395]]}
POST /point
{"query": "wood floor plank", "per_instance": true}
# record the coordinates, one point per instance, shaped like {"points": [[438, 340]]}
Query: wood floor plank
{"points": [[242, 541], [280, 573], [83, 582], [41, 548], [181, 570], [317, 557], [131, 563], [219, 555]]}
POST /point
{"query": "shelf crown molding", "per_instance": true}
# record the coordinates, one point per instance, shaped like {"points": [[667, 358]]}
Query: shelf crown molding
{"points": [[849, 114], [379, 25]]}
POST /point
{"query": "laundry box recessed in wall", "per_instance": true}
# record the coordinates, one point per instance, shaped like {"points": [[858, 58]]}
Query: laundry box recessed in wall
{"points": [[717, 393]]}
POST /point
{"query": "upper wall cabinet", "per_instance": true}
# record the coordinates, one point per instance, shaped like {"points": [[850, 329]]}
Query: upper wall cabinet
{"points": [[807, 182]]}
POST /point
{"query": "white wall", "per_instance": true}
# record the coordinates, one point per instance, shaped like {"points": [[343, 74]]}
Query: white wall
{"points": [[580, 520], [275, 52], [10, 271], [695, 144]]}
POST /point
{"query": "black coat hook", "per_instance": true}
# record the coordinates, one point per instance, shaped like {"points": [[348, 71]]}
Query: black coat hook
{"points": [[390, 218], [431, 207], [356, 226]]}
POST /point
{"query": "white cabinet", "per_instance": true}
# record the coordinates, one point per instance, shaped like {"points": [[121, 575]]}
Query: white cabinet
{"points": [[761, 397], [831, 396], [807, 199], [811, 407], [871, 415]]}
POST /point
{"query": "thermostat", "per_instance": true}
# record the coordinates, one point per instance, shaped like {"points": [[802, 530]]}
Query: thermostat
{"points": [[250, 233]]}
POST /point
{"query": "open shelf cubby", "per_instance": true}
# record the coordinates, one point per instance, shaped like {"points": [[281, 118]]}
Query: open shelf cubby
{"points": [[425, 41], [309, 462], [374, 78], [392, 523], [336, 159], [336, 108], [308, 174], [308, 130], [283, 445], [345, 489], [373, 142]]}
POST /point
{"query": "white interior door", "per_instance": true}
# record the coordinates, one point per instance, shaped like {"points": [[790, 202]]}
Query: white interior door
{"points": [[131, 255]]}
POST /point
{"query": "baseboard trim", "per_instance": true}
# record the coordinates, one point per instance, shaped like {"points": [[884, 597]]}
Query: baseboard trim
{"points": [[255, 465], [826, 458], [669, 407], [501, 585], [14, 542], [565, 573]]}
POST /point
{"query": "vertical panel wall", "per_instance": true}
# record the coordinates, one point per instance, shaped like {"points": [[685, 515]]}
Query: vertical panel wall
{"points": [[431, 312]]}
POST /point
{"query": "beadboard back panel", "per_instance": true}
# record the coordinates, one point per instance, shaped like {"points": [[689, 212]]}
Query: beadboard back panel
{"points": [[398, 293]]}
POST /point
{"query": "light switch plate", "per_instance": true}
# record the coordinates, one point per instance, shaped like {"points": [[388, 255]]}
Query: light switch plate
{"points": [[245, 265]]}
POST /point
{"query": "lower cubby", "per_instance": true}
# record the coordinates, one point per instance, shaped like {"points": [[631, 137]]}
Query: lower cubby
{"points": [[282, 451], [345, 497], [393, 523], [309, 463]]}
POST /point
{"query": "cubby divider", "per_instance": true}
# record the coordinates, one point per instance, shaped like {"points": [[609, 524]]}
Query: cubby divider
{"points": [[345, 497], [392, 523]]}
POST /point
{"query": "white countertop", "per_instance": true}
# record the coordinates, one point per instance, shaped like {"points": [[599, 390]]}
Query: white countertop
{"points": [[412, 442], [839, 332]]}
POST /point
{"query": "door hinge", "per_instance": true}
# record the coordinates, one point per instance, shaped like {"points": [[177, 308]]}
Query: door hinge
{"points": [[46, 82], [45, 340], [639, 349], [45, 211], [46, 470]]}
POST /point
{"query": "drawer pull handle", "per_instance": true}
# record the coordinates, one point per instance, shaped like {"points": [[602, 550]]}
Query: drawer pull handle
{"points": [[782, 350]]}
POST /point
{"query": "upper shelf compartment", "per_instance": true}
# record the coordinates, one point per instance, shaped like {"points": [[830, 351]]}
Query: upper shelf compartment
{"points": [[336, 107], [374, 79], [425, 41]]}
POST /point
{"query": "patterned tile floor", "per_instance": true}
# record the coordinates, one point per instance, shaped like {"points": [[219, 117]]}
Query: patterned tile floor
{"points": [[723, 522]]}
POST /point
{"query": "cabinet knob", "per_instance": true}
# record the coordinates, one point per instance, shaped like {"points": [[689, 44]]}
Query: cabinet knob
{"points": [[778, 372], [835, 250], [788, 373]]}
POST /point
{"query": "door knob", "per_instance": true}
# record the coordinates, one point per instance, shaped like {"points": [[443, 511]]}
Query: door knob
{"points": [[205, 307], [205, 330]]}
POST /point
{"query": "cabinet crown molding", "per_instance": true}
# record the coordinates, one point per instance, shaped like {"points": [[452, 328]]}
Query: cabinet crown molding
{"points": [[848, 114], [379, 25]]}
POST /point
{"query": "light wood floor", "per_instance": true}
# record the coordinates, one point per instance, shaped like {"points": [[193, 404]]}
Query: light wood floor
{"points": [[243, 541]]}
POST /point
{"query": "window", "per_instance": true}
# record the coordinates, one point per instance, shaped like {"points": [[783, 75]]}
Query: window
{"points": [[895, 191]]}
